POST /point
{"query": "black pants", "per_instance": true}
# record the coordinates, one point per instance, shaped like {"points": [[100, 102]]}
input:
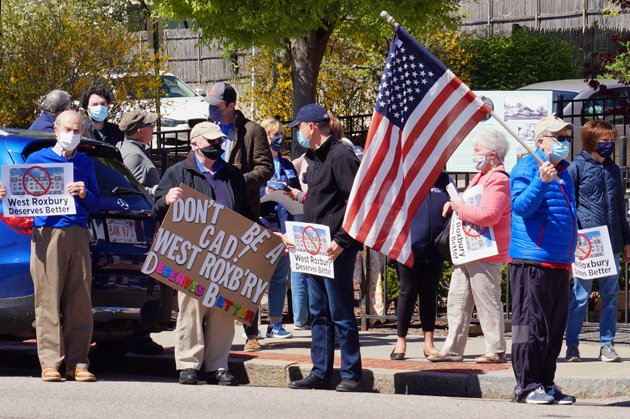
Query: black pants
{"points": [[422, 280], [540, 306]]}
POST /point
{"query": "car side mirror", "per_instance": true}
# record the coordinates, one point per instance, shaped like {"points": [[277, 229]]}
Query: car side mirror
{"points": [[201, 92]]}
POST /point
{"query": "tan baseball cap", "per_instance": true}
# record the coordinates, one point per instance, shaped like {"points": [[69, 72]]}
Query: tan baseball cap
{"points": [[552, 124], [207, 130], [136, 119]]}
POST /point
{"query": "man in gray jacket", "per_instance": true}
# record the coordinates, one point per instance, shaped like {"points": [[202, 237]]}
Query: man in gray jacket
{"points": [[138, 128]]}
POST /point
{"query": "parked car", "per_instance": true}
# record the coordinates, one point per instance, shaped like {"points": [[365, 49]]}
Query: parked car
{"points": [[181, 107], [121, 234], [582, 102]]}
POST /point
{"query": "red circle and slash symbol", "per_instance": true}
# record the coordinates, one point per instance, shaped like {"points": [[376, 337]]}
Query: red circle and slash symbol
{"points": [[312, 241], [470, 231], [41, 184], [584, 247]]}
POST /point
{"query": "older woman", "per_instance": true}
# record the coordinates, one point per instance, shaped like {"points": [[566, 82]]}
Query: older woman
{"points": [[478, 283]]}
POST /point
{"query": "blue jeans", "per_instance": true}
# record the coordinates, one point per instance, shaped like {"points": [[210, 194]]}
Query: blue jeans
{"points": [[608, 289], [278, 287], [331, 303], [299, 298]]}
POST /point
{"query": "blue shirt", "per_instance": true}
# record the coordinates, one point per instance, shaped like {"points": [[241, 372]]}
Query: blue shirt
{"points": [[214, 179]]}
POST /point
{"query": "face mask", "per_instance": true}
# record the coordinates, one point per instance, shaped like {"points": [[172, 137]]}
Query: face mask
{"points": [[69, 140], [99, 112], [480, 162], [559, 151], [276, 142], [212, 152], [605, 149], [215, 113], [302, 141]]}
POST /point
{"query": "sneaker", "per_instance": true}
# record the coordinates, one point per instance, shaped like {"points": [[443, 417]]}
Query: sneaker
{"points": [[558, 396], [252, 345], [607, 353], [302, 326], [573, 354], [188, 376], [222, 377], [276, 330], [539, 396]]}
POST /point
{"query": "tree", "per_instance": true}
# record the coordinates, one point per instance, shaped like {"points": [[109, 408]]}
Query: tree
{"points": [[303, 27], [69, 45]]}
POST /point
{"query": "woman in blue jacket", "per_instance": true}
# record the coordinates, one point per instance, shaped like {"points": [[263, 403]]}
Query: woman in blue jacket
{"points": [[599, 195]]}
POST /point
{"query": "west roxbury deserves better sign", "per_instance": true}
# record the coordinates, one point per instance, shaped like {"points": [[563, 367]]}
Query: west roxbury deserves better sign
{"points": [[213, 254]]}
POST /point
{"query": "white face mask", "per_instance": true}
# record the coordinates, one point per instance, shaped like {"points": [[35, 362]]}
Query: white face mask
{"points": [[69, 140]]}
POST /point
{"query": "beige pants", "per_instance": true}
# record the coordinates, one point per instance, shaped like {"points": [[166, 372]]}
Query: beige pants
{"points": [[204, 336], [475, 284], [61, 268]]}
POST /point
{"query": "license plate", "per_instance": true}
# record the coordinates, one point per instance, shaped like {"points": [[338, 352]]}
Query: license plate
{"points": [[122, 231]]}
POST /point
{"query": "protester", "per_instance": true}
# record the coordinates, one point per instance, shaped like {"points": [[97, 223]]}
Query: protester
{"points": [[134, 149], [599, 196], [544, 236], [54, 103], [478, 283], [246, 148], [423, 278], [137, 126], [61, 265], [331, 301], [204, 335], [274, 216], [96, 102]]}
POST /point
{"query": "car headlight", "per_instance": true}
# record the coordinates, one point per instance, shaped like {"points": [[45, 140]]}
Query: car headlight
{"points": [[167, 122]]}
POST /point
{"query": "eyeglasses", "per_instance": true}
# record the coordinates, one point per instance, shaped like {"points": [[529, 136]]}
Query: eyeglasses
{"points": [[560, 138]]}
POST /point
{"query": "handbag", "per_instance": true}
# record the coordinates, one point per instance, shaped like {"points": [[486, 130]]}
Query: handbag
{"points": [[442, 241]]}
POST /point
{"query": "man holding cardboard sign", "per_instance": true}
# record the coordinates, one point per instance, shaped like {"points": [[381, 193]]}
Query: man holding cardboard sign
{"points": [[204, 335]]}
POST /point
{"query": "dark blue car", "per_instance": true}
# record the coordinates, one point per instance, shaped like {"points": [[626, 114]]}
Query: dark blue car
{"points": [[122, 232]]}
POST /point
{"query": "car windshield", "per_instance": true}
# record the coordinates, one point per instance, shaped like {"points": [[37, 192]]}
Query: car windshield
{"points": [[174, 87]]}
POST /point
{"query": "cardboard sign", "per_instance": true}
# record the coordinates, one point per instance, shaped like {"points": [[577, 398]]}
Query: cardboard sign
{"points": [[310, 253], [594, 257], [213, 254], [468, 241], [37, 189]]}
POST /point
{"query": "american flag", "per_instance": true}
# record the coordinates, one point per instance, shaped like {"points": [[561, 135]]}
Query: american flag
{"points": [[422, 113]]}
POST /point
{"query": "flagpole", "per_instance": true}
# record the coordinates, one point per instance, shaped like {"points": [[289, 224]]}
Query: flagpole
{"points": [[389, 19], [522, 142]]}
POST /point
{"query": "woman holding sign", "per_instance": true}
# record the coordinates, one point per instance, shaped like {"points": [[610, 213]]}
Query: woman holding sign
{"points": [[599, 196], [478, 282]]}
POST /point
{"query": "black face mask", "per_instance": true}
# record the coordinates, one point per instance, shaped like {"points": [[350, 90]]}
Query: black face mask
{"points": [[212, 152]]}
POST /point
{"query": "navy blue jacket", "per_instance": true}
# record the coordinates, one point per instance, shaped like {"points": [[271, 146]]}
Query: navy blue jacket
{"points": [[599, 195], [427, 222], [45, 122], [273, 215]]}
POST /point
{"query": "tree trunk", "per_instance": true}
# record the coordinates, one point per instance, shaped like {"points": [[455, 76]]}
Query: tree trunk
{"points": [[305, 56]]}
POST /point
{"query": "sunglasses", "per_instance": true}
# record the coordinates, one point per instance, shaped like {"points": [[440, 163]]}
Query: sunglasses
{"points": [[560, 138]]}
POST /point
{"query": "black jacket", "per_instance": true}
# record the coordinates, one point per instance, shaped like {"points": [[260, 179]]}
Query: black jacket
{"points": [[188, 173], [113, 134], [330, 174]]}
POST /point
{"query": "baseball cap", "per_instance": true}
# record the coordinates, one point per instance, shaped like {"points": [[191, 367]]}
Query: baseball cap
{"points": [[220, 92], [552, 124], [134, 120], [310, 113], [207, 130]]}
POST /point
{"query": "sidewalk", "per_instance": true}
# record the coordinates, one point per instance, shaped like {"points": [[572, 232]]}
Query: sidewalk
{"points": [[282, 360]]}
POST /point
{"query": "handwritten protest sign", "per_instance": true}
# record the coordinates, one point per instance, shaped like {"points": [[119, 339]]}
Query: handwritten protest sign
{"points": [[213, 254], [311, 242], [594, 257], [37, 190], [468, 241]]}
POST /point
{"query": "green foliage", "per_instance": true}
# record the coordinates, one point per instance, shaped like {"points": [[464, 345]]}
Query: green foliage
{"points": [[619, 67], [501, 62], [391, 285], [69, 45]]}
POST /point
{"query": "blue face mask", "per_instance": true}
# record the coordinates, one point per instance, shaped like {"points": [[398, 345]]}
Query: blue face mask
{"points": [[559, 151], [215, 113], [276, 142], [605, 149], [302, 141], [99, 112]]}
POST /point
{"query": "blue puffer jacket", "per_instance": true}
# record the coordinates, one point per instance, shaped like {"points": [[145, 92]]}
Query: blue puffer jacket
{"points": [[544, 225], [599, 196]]}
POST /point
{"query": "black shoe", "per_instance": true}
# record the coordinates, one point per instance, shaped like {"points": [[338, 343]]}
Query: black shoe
{"points": [[348, 385], [146, 346], [396, 356], [188, 376], [222, 377], [310, 382]]}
